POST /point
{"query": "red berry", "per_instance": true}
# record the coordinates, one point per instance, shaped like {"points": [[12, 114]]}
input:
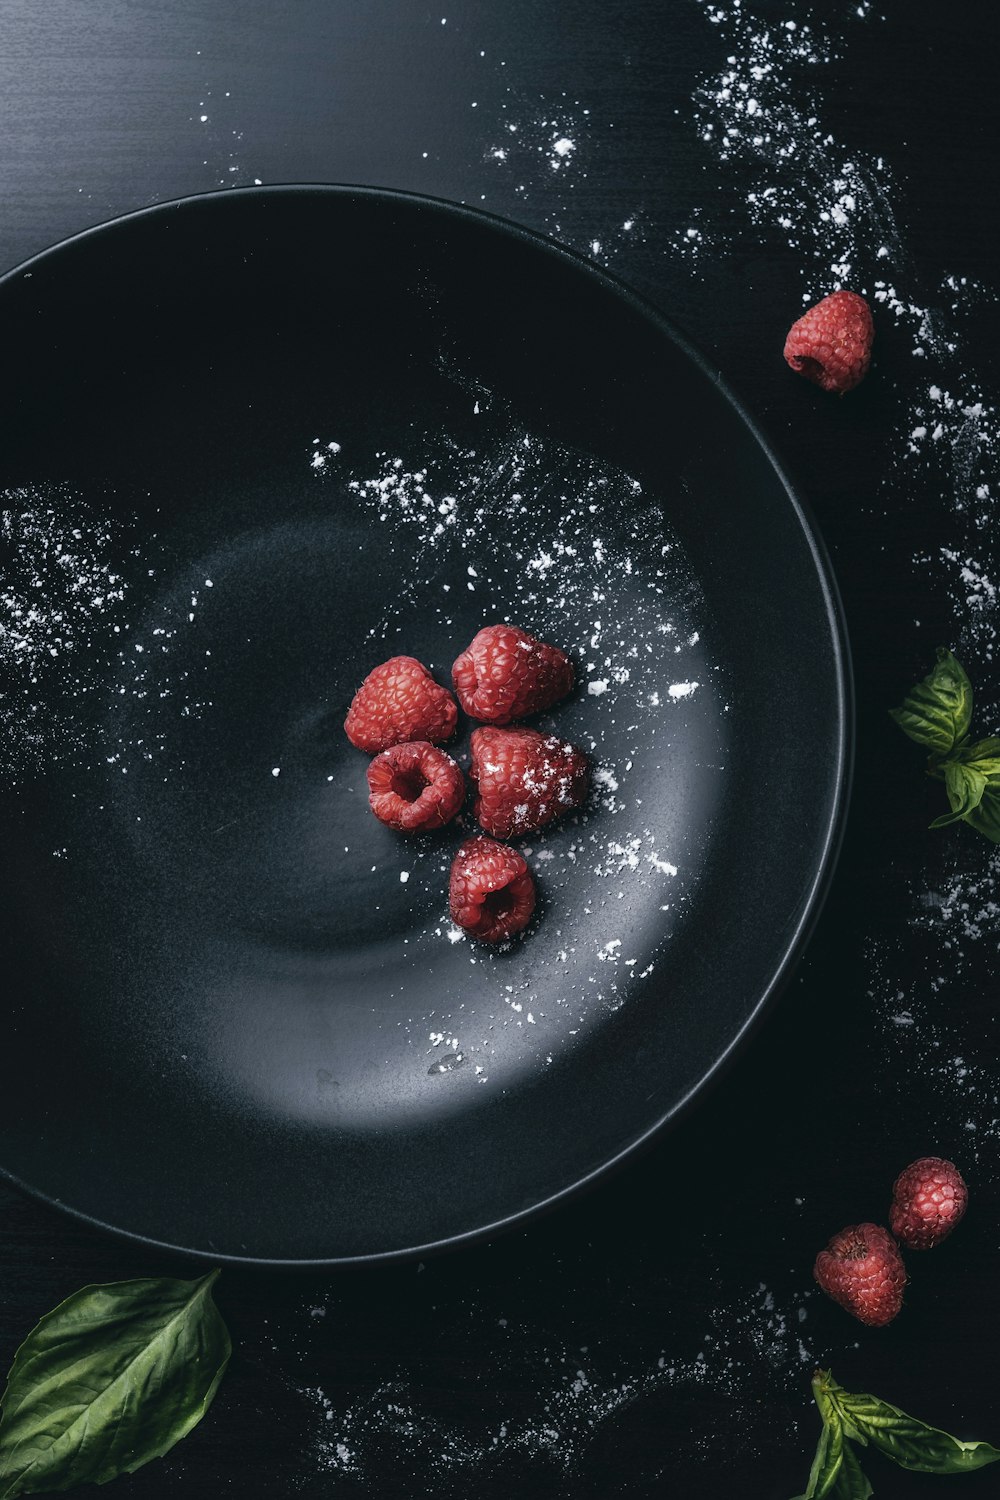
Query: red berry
{"points": [[397, 702], [862, 1269], [492, 892], [831, 344], [928, 1199], [524, 779], [414, 786], [506, 674]]}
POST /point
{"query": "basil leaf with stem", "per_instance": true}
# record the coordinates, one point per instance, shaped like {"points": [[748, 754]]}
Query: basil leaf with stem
{"points": [[111, 1378], [910, 1443], [976, 763], [982, 750], [851, 1483], [985, 818], [835, 1473], [937, 713], [965, 786], [826, 1464]]}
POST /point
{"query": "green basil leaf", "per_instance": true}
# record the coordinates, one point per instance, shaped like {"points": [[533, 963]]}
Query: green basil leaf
{"points": [[824, 1388], [982, 750], [826, 1391], [111, 1378], [972, 781], [851, 1483], [826, 1463], [985, 818], [938, 712], [835, 1473], [965, 786], [912, 1444]]}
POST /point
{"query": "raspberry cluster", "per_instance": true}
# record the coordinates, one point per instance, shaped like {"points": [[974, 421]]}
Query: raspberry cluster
{"points": [[521, 779], [862, 1267]]}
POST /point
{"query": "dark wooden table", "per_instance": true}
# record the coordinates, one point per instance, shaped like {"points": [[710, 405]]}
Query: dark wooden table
{"points": [[656, 1336]]}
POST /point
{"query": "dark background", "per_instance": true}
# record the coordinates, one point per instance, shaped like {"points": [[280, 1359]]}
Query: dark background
{"points": [[681, 1288]]}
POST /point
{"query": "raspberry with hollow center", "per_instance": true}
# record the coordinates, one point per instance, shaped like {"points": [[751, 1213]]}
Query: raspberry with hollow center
{"points": [[862, 1269], [399, 701], [929, 1198], [831, 344], [524, 779], [506, 674], [491, 893], [415, 786]]}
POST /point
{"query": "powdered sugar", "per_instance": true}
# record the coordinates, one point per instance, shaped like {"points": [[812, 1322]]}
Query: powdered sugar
{"points": [[539, 147], [548, 1402], [62, 596], [762, 116], [521, 523], [965, 908]]}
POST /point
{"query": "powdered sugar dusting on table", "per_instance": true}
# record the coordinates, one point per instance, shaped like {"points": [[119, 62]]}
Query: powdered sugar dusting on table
{"points": [[546, 1402], [761, 115], [761, 119], [538, 149]]}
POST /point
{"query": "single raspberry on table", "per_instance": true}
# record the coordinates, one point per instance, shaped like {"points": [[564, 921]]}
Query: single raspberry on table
{"points": [[506, 674], [862, 1269], [831, 344], [415, 786], [397, 702], [524, 779], [928, 1199], [491, 893]]}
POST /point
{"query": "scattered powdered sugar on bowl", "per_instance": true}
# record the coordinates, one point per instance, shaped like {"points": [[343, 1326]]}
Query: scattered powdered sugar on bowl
{"points": [[99, 669], [62, 596], [577, 551]]}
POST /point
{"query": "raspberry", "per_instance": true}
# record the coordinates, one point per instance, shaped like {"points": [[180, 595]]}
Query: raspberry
{"points": [[492, 892], [928, 1199], [524, 779], [862, 1269], [414, 786], [397, 702], [506, 674], [831, 344]]}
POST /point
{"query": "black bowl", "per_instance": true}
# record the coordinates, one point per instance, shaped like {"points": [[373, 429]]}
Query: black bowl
{"points": [[255, 443]]}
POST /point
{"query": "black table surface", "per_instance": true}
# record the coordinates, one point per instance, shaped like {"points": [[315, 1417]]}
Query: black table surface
{"points": [[655, 1336]]}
